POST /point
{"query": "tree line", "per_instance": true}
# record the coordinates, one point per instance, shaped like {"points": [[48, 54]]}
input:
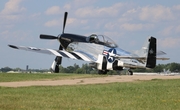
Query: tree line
{"points": [[85, 69]]}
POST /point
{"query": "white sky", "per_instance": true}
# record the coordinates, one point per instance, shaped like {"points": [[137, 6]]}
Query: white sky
{"points": [[128, 22]]}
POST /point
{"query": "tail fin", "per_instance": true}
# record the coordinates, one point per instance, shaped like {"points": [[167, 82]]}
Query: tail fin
{"points": [[151, 53]]}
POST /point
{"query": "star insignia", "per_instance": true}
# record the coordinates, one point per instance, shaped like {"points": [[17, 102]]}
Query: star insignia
{"points": [[151, 51]]}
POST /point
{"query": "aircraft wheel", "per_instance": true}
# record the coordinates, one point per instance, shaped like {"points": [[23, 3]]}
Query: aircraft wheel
{"points": [[130, 72], [56, 69], [102, 72]]}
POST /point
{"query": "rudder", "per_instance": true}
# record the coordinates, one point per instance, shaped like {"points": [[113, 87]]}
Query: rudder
{"points": [[151, 55]]}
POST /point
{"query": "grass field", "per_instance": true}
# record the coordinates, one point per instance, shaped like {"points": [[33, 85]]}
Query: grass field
{"points": [[10, 77], [140, 95]]}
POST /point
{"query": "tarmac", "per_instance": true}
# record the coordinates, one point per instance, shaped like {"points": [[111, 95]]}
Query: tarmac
{"points": [[84, 81]]}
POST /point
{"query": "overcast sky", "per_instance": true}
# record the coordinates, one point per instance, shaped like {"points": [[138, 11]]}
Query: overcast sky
{"points": [[128, 22]]}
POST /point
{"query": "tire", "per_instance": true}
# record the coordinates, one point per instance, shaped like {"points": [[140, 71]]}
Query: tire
{"points": [[130, 72], [56, 69], [102, 72]]}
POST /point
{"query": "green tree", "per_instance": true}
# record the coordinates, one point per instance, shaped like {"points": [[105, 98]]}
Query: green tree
{"points": [[86, 68], [79, 71], [76, 66], [6, 69], [158, 68], [62, 69], [174, 67]]}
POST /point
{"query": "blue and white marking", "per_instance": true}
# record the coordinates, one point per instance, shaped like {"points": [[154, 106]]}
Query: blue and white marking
{"points": [[110, 54]]}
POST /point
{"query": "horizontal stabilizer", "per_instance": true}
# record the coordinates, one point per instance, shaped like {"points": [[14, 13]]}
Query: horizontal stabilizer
{"points": [[160, 53]]}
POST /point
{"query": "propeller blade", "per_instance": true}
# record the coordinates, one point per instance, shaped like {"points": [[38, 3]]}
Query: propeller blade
{"points": [[60, 47], [42, 36], [65, 17]]}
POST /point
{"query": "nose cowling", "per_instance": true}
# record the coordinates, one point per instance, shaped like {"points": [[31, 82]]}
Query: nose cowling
{"points": [[65, 39]]}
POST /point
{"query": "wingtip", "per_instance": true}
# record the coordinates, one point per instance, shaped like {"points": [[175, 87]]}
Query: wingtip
{"points": [[12, 46]]}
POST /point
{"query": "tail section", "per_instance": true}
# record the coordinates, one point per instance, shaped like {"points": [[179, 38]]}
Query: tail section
{"points": [[151, 53]]}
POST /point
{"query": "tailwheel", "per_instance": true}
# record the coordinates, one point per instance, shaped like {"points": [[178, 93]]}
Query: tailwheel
{"points": [[56, 69], [130, 72], [102, 72]]}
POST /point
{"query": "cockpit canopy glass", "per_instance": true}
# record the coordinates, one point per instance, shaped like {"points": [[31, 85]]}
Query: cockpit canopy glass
{"points": [[102, 40]]}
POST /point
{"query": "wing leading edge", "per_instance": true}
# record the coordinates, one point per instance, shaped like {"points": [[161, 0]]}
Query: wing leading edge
{"points": [[60, 53]]}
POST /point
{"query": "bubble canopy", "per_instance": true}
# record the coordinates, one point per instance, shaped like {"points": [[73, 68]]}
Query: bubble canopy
{"points": [[102, 40]]}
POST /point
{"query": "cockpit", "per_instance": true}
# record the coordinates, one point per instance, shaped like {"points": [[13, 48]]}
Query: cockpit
{"points": [[102, 40]]}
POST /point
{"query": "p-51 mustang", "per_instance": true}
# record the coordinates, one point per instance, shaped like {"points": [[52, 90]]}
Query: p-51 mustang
{"points": [[102, 53]]}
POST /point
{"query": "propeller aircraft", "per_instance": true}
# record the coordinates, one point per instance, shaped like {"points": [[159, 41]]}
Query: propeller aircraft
{"points": [[102, 52]]}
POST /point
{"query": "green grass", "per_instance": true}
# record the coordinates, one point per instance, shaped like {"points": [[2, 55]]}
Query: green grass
{"points": [[10, 77], [139, 95]]}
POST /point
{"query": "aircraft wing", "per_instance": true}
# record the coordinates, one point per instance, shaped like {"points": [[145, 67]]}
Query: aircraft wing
{"points": [[73, 55]]}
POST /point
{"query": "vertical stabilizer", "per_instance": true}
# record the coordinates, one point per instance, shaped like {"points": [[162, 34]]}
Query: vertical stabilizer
{"points": [[151, 53]]}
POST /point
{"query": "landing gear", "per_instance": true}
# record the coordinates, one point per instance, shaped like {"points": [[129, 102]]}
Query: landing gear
{"points": [[130, 72], [102, 72], [56, 69], [58, 62]]}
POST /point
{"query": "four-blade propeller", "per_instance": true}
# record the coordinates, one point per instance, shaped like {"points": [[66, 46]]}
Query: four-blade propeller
{"points": [[58, 59]]}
